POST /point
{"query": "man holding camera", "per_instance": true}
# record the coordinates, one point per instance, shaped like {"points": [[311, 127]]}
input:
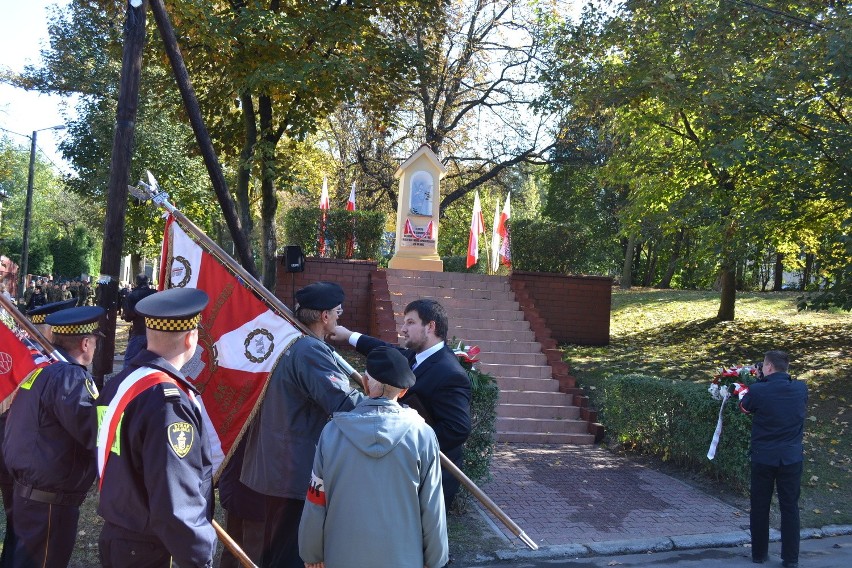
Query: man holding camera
{"points": [[777, 405]]}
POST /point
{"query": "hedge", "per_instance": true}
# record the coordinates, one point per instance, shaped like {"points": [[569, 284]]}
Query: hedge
{"points": [[546, 246], [302, 224], [675, 421]]}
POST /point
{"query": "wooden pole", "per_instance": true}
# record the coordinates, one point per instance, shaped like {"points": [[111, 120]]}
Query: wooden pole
{"points": [[232, 545], [119, 172], [278, 306], [214, 169]]}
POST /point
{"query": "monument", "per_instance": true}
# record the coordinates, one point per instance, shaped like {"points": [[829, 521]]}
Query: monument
{"points": [[417, 212]]}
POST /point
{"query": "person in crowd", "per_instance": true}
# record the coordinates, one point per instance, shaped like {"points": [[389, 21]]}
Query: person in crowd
{"points": [[391, 456], [244, 511], [153, 451], [136, 341], [38, 298], [777, 405], [305, 388], [49, 441], [442, 392]]}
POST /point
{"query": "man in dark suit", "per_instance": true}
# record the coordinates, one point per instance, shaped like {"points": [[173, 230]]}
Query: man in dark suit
{"points": [[441, 393], [777, 405]]}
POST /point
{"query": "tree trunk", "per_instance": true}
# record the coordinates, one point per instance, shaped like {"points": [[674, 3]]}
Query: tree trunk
{"points": [[652, 264], [778, 282], [727, 277], [269, 204], [137, 265], [202, 136], [666, 282], [806, 273], [119, 173], [627, 271], [244, 169]]}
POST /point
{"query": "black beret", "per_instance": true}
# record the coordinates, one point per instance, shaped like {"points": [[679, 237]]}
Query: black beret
{"points": [[176, 309], [320, 296], [76, 321], [390, 367], [38, 314]]}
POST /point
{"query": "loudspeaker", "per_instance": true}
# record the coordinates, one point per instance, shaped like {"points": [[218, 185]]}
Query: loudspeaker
{"points": [[294, 260]]}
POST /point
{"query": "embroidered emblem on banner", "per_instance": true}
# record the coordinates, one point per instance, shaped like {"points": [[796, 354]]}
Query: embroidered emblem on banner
{"points": [[182, 272], [5, 362], [181, 435], [259, 345]]}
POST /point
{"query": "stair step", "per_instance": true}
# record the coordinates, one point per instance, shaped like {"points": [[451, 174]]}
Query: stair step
{"points": [[454, 304], [526, 383], [541, 425], [542, 438], [475, 335], [518, 371], [538, 411], [504, 358], [442, 294], [509, 396], [497, 346]]}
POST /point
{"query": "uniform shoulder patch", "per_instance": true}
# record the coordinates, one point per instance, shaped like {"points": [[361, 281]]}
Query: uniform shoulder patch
{"points": [[92, 387], [181, 435]]}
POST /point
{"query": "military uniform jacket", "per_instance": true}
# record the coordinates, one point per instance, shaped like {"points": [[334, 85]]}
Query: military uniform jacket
{"points": [[777, 405], [305, 388], [380, 460], [156, 482], [129, 309], [51, 430]]}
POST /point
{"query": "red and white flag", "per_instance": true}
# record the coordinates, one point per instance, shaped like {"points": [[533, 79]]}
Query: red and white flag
{"points": [[350, 205], [17, 360], [505, 239], [495, 239], [324, 206], [240, 339], [477, 227]]}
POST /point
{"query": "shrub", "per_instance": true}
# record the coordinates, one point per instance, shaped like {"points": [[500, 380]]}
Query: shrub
{"points": [[479, 448], [302, 224], [675, 421]]}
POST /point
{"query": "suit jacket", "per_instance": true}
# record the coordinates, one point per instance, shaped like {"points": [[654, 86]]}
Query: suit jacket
{"points": [[441, 394], [778, 407]]}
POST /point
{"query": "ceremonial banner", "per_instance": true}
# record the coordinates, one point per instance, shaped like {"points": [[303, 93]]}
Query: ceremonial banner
{"points": [[240, 338], [350, 206], [495, 239], [477, 227], [16, 361], [325, 205]]}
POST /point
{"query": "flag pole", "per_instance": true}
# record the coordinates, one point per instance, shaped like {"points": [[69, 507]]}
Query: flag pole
{"points": [[232, 545], [31, 330], [153, 192]]}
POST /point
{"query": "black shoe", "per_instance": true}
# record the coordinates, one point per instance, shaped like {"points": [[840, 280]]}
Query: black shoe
{"points": [[790, 563], [759, 560]]}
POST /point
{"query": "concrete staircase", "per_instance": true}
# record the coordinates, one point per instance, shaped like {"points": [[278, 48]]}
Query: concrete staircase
{"points": [[534, 407]]}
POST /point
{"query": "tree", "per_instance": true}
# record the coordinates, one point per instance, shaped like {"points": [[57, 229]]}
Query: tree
{"points": [[707, 118]]}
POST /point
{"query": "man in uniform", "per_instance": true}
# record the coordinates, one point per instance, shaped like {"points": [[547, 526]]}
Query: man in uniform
{"points": [[49, 443], [136, 341], [305, 388], [37, 317], [379, 457], [442, 392], [153, 450]]}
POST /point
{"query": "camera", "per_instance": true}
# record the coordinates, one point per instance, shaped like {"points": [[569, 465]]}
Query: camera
{"points": [[759, 367]]}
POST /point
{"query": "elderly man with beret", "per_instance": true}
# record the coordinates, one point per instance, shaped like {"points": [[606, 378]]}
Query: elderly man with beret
{"points": [[305, 388], [391, 454]]}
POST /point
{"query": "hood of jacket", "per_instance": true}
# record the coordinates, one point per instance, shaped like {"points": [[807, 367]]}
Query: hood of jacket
{"points": [[376, 425]]}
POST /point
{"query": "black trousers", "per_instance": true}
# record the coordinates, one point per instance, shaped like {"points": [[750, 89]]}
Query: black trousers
{"points": [[248, 534], [281, 537], [764, 481], [121, 548], [45, 533]]}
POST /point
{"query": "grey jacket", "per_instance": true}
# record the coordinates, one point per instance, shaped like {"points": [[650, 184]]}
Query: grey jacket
{"points": [[375, 497], [306, 387]]}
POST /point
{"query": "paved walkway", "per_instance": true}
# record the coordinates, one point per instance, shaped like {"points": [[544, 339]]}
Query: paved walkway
{"points": [[561, 495]]}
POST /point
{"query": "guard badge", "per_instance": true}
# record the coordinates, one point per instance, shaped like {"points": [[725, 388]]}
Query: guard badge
{"points": [[181, 435]]}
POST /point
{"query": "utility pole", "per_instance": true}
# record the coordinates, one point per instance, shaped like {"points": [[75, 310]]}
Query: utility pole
{"points": [[119, 174]]}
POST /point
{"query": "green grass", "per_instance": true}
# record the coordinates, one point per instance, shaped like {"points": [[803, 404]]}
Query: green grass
{"points": [[673, 335]]}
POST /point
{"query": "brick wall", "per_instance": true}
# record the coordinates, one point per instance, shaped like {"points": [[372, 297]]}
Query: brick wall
{"points": [[361, 281], [576, 309]]}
